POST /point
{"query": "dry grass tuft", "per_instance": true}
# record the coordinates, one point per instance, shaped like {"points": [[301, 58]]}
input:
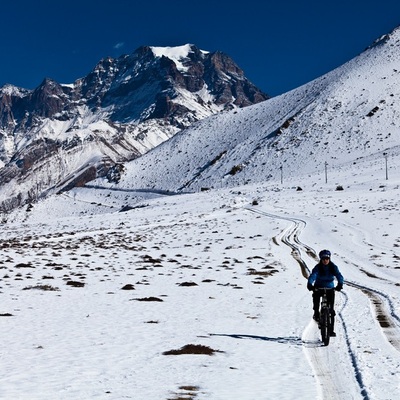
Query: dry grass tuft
{"points": [[262, 273], [128, 287], [75, 284], [187, 393], [24, 265], [149, 299], [192, 349], [188, 284], [47, 288]]}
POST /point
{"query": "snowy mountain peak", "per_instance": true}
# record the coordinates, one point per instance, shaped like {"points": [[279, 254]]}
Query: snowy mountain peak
{"points": [[10, 90], [176, 54], [120, 110], [393, 37]]}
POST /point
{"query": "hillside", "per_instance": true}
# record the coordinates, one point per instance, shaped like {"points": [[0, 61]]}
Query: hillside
{"points": [[345, 117]]}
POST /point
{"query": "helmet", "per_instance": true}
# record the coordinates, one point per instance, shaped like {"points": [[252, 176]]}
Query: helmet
{"points": [[324, 254]]}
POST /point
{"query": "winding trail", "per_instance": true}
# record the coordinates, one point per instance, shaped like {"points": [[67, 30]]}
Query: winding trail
{"points": [[384, 309], [331, 385], [290, 237]]}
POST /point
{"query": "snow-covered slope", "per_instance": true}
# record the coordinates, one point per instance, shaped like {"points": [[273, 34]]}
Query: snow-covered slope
{"points": [[345, 117]]}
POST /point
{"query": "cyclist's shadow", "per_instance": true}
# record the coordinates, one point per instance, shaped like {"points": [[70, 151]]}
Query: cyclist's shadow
{"points": [[280, 339], [312, 343]]}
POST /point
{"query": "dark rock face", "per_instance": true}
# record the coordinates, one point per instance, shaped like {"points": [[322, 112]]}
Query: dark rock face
{"points": [[120, 110]]}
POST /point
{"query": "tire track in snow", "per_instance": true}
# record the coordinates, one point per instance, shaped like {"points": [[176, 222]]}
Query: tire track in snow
{"points": [[290, 237], [330, 385], [381, 303], [389, 322]]}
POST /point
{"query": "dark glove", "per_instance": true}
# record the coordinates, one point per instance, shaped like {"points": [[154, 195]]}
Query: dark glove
{"points": [[310, 287], [339, 287]]}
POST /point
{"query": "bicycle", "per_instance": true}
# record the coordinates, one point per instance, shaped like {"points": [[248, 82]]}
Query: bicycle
{"points": [[326, 316]]}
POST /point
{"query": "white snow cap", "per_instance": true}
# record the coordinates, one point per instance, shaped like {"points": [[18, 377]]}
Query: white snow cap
{"points": [[176, 54], [11, 89]]}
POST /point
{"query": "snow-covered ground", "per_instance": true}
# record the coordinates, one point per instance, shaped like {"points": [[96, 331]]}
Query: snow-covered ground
{"points": [[100, 284], [217, 269]]}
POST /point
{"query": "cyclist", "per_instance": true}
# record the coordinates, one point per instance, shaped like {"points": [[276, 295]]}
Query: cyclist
{"points": [[323, 276]]}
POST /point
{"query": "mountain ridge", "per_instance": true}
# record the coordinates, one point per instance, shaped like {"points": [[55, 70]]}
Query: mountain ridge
{"points": [[345, 116], [120, 110]]}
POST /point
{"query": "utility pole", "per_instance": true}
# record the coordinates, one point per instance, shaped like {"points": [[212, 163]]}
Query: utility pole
{"points": [[386, 165], [326, 172]]}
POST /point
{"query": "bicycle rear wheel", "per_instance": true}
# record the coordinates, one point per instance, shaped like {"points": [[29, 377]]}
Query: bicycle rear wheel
{"points": [[324, 326]]}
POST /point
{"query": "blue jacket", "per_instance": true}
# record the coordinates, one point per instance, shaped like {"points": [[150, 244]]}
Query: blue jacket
{"points": [[323, 276]]}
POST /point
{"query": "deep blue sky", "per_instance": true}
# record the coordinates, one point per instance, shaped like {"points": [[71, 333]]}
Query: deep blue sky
{"points": [[279, 44]]}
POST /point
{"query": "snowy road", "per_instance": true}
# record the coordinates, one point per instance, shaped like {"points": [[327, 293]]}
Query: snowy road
{"points": [[224, 273], [335, 373]]}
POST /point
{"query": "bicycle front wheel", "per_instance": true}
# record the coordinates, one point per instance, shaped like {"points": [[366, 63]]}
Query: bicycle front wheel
{"points": [[324, 326]]}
